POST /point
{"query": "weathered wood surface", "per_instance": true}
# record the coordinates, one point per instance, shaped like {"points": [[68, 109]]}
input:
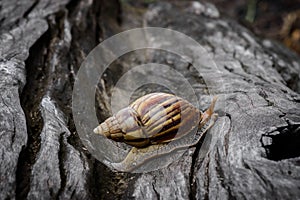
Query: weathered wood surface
{"points": [[254, 148]]}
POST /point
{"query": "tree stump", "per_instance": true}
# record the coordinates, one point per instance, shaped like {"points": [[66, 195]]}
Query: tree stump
{"points": [[253, 151]]}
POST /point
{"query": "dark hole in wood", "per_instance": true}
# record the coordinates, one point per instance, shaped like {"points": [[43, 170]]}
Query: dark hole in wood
{"points": [[282, 143]]}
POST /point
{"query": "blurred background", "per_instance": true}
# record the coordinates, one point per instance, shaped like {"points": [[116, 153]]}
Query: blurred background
{"points": [[274, 19]]}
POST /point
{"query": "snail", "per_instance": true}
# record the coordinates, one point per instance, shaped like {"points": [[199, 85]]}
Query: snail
{"points": [[156, 119]]}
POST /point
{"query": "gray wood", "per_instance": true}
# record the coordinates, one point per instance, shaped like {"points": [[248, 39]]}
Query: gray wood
{"points": [[251, 152]]}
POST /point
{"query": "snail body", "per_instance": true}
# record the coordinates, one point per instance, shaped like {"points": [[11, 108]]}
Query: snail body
{"points": [[156, 118]]}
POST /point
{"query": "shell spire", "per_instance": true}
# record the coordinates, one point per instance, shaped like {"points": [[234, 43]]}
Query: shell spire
{"points": [[102, 129]]}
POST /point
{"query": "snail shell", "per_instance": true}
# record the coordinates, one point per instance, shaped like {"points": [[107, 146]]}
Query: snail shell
{"points": [[156, 118]]}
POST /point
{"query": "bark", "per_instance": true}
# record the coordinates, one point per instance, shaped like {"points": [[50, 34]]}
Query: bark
{"points": [[253, 149]]}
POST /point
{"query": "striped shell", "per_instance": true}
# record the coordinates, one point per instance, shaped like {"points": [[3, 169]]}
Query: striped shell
{"points": [[155, 118]]}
